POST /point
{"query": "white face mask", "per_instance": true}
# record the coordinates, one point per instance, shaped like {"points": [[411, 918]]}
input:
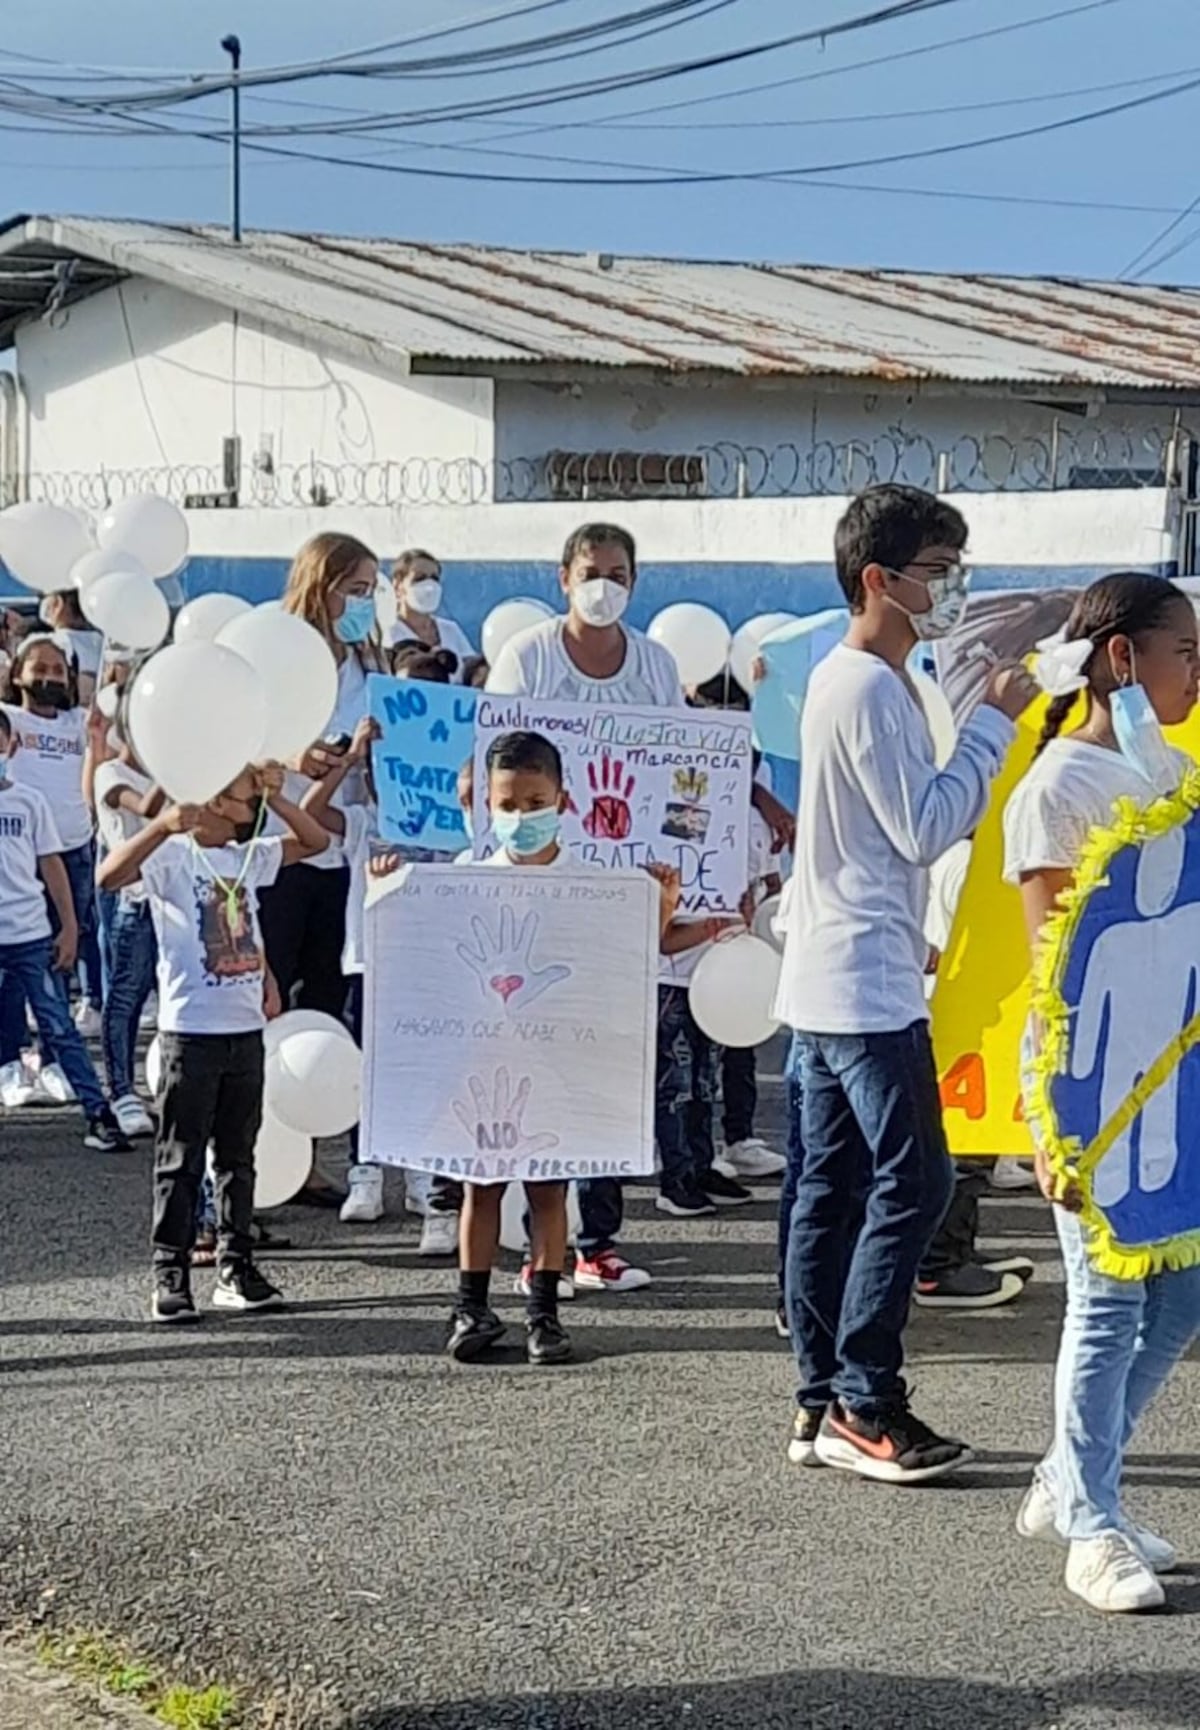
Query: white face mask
{"points": [[424, 595], [599, 600]]}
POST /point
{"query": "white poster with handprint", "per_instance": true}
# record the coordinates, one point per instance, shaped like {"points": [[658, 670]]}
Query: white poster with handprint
{"points": [[644, 786], [509, 1023], [1127, 1099]]}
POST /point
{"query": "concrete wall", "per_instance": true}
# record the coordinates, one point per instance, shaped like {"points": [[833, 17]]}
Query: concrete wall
{"points": [[142, 377]]}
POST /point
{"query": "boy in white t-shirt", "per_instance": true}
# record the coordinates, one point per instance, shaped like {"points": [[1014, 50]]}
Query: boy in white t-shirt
{"points": [[203, 868], [32, 875]]}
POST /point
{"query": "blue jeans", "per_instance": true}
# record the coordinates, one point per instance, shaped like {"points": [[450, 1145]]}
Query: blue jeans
{"points": [[684, 1090], [29, 968], [794, 1096], [1120, 1341], [80, 865], [874, 1183], [133, 954]]}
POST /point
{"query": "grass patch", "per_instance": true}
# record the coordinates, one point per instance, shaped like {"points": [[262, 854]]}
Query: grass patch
{"points": [[102, 1662]]}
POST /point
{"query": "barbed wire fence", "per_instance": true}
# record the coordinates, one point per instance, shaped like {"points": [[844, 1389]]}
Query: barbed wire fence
{"points": [[1064, 458]]}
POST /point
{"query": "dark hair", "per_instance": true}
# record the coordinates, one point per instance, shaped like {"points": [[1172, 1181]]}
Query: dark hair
{"points": [[720, 692], [600, 535], [1123, 604], [414, 661], [408, 558], [529, 751], [889, 526], [12, 690], [475, 671], [5, 725], [70, 599]]}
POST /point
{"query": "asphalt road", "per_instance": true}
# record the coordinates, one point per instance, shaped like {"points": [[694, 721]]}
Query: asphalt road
{"points": [[319, 1501]]}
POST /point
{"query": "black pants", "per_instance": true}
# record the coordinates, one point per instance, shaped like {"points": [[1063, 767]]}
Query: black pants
{"points": [[212, 1092], [303, 917], [954, 1243], [739, 1092]]}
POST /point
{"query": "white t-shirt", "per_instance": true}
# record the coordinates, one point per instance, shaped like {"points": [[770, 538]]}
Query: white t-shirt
{"points": [[348, 711], [1070, 790], [27, 834], [450, 636], [361, 830], [50, 758], [875, 813], [563, 860], [535, 663], [116, 825], [85, 646], [210, 965]]}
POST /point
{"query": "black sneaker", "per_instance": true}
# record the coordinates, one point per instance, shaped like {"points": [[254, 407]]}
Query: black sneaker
{"points": [[546, 1341], [684, 1203], [105, 1135], [1018, 1264], [895, 1447], [473, 1332], [172, 1300], [802, 1443], [725, 1191], [972, 1287], [240, 1286]]}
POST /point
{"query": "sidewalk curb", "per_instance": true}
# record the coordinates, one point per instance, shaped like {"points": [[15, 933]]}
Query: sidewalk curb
{"points": [[33, 1697]]}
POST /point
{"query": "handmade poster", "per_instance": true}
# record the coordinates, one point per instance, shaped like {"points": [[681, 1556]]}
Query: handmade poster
{"points": [[1115, 1088], [644, 786], [428, 733], [981, 998], [510, 1023]]}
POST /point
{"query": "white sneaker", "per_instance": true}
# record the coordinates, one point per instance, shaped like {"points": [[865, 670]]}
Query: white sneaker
{"points": [[364, 1204], [439, 1234], [1035, 1519], [1010, 1173], [1109, 1575], [149, 1015], [88, 1021], [16, 1085], [566, 1285], [52, 1087], [132, 1116], [750, 1158], [1158, 1555]]}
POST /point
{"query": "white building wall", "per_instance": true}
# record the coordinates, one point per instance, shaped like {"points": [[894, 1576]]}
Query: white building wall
{"points": [[143, 377]]}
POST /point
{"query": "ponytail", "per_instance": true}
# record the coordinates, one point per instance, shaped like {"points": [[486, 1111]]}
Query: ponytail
{"points": [[1056, 716]]}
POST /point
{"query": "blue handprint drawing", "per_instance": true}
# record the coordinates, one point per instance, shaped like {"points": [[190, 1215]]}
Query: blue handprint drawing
{"points": [[503, 964]]}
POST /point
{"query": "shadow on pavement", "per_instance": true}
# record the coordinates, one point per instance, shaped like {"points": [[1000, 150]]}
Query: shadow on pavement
{"points": [[828, 1700]]}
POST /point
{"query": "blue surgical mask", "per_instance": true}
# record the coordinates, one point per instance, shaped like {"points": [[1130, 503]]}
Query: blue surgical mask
{"points": [[357, 620], [524, 833], [1140, 739]]}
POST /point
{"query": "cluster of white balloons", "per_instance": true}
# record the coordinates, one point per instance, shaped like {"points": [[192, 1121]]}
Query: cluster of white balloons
{"points": [[313, 1087], [116, 568]]}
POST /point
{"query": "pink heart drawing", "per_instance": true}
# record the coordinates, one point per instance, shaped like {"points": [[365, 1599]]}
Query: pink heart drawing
{"points": [[504, 984]]}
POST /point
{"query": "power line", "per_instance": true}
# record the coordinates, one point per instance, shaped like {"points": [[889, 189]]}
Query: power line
{"points": [[1135, 261]]}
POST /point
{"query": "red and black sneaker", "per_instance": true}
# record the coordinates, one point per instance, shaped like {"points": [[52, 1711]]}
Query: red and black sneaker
{"points": [[892, 1446]]}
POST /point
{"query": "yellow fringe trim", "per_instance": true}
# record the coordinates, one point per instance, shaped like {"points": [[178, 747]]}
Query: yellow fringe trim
{"points": [[1132, 826]]}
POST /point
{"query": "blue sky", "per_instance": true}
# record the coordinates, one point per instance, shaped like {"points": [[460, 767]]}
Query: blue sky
{"points": [[1142, 157]]}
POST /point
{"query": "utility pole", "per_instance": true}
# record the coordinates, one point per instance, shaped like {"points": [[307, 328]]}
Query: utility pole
{"points": [[233, 48]]}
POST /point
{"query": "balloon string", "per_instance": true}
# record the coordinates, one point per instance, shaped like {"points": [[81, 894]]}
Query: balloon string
{"points": [[231, 891]]}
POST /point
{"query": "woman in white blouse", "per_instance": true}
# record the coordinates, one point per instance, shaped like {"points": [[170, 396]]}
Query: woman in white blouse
{"points": [[417, 580]]}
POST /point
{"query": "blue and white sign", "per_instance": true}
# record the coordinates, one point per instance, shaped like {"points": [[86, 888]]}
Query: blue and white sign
{"points": [[428, 732]]}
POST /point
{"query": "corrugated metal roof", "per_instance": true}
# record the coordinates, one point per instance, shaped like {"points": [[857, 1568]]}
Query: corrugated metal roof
{"points": [[472, 308]]}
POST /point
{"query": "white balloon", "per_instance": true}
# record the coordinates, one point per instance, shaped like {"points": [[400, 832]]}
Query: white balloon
{"points": [[513, 1235], [282, 1161], [151, 528], [697, 637], [507, 620], [154, 1074], [387, 609], [197, 715], [314, 1083], [108, 700], [100, 561], [748, 639], [732, 991], [765, 916], [302, 1021], [298, 673], [939, 715], [40, 543], [128, 608], [203, 618]]}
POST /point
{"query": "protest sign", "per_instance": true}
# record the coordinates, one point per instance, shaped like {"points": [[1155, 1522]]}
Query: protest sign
{"points": [[644, 785], [510, 1023], [428, 733]]}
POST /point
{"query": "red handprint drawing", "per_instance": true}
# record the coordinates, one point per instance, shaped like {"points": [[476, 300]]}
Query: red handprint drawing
{"points": [[609, 818]]}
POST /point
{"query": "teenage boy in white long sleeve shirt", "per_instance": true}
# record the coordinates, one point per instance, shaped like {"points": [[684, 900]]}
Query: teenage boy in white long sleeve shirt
{"points": [[875, 812]]}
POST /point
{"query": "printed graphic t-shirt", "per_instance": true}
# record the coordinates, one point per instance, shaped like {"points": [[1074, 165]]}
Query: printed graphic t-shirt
{"points": [[210, 950], [27, 833], [50, 758]]}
